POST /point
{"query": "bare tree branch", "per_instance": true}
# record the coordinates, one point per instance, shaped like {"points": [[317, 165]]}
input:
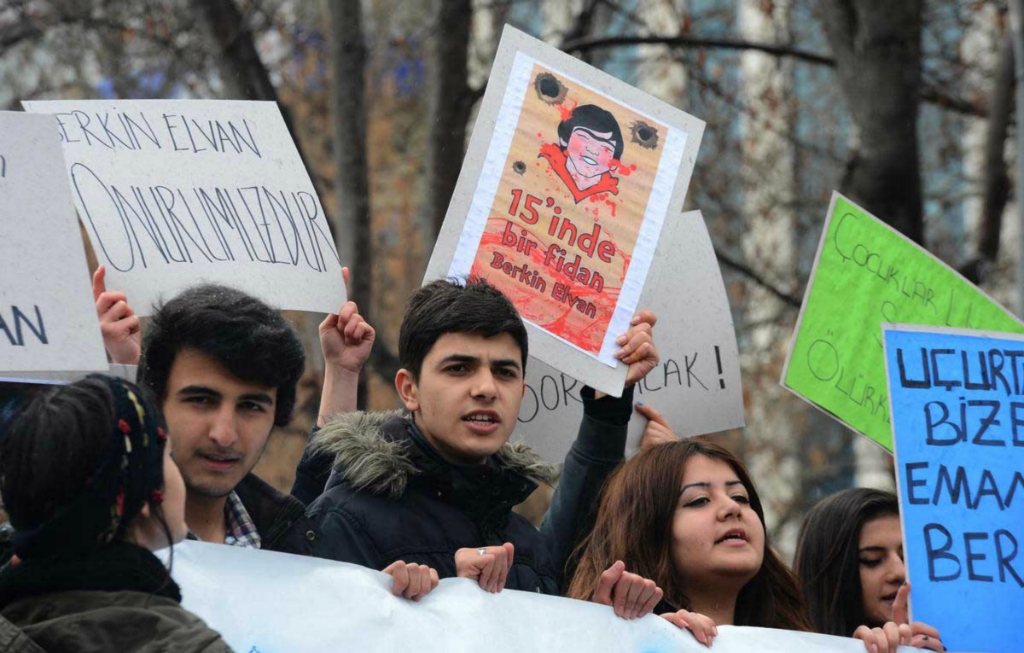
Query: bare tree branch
{"points": [[34, 29], [757, 278], [14, 34], [933, 95], [930, 94], [583, 24], [585, 44]]}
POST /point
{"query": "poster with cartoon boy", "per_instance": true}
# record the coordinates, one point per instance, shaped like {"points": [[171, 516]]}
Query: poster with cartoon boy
{"points": [[569, 176], [567, 214]]}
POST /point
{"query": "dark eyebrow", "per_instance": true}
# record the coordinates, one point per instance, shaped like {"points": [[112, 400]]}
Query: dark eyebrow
{"points": [[474, 360], [871, 549], [706, 484], [204, 391], [199, 390], [458, 358], [258, 397]]}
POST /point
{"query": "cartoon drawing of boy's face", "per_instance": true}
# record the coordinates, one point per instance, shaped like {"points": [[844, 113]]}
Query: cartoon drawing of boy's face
{"points": [[590, 153]]}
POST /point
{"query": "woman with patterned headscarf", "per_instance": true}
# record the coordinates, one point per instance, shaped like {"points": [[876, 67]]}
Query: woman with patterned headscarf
{"points": [[88, 482]]}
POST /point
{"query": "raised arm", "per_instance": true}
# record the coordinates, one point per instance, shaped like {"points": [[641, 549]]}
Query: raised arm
{"points": [[120, 326], [346, 340], [599, 447]]}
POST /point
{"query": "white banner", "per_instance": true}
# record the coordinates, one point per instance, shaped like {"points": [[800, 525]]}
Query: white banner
{"points": [[179, 192], [265, 602], [47, 316]]}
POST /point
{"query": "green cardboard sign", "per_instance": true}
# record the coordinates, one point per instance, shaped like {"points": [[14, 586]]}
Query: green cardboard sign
{"points": [[865, 274]]}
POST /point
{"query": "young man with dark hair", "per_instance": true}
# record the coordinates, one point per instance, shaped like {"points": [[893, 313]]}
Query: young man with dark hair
{"points": [[437, 486], [225, 367]]}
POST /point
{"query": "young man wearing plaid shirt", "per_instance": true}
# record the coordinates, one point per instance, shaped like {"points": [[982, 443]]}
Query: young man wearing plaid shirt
{"points": [[225, 367]]}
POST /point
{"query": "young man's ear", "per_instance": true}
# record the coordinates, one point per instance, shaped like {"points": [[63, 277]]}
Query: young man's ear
{"points": [[408, 391]]}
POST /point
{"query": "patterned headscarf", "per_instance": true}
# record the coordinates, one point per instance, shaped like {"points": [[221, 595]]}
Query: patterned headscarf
{"points": [[131, 473]]}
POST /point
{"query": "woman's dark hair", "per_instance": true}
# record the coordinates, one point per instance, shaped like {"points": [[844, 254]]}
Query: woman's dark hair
{"points": [[828, 561], [51, 447], [634, 524], [595, 119], [251, 340], [55, 444], [444, 307]]}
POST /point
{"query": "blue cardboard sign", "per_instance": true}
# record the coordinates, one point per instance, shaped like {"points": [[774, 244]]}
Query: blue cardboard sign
{"points": [[957, 406]]}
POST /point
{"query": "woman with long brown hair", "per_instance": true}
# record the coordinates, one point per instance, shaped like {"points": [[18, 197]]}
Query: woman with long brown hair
{"points": [[687, 516], [849, 558]]}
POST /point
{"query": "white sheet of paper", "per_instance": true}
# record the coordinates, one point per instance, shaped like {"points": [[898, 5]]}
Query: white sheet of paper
{"points": [[482, 171], [696, 385], [175, 193], [47, 316], [263, 602]]}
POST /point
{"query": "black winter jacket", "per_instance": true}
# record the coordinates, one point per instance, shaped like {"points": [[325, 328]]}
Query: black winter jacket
{"points": [[392, 497], [280, 519]]}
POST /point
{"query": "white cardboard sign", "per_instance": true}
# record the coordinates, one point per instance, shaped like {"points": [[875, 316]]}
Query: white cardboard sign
{"points": [[265, 602], [696, 385], [179, 192], [568, 180], [47, 317]]}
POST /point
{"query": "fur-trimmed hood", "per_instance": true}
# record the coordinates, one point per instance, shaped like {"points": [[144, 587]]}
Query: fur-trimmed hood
{"points": [[368, 459]]}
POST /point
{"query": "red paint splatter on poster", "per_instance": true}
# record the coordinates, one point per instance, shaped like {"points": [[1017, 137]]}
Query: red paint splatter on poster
{"points": [[557, 311], [622, 169], [565, 112]]}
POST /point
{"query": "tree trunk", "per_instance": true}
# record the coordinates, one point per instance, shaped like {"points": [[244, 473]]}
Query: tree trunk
{"points": [[450, 104], [995, 178], [877, 48], [352, 179]]}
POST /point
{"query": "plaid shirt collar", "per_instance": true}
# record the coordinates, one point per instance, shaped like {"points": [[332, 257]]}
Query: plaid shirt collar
{"points": [[240, 529]]}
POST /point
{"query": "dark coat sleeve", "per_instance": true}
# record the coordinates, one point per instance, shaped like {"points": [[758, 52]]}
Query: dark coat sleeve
{"points": [[343, 538], [312, 473], [599, 447]]}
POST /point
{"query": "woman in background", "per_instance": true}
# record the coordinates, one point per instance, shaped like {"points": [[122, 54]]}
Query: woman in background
{"points": [[91, 490], [850, 562]]}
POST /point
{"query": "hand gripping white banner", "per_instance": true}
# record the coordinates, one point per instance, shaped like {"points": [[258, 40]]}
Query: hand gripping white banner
{"points": [[265, 602]]}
